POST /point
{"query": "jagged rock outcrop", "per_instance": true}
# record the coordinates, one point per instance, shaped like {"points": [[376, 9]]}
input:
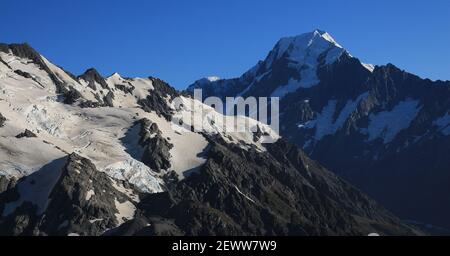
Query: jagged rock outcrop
{"points": [[258, 134], [156, 148], [92, 76], [108, 99], [26, 134], [82, 201], [125, 88], [23, 73], [71, 96], [2, 120], [157, 99]]}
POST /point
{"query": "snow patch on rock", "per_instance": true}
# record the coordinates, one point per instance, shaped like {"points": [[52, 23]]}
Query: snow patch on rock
{"points": [[125, 210], [324, 122], [387, 124], [369, 67], [89, 194], [444, 124]]}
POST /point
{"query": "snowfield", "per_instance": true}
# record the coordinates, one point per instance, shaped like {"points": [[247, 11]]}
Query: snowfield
{"points": [[108, 136], [387, 124]]}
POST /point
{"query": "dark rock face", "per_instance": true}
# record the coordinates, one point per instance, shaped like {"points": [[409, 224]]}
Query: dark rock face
{"points": [[156, 100], [91, 75], [90, 104], [402, 172], [26, 51], [5, 63], [22, 73], [26, 134], [83, 201], [280, 192], [71, 96], [156, 148], [258, 134], [163, 88], [2, 120], [108, 99], [105, 101], [27, 75], [125, 88]]}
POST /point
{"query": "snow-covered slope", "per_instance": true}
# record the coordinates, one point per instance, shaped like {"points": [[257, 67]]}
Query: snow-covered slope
{"points": [[97, 119], [102, 133]]}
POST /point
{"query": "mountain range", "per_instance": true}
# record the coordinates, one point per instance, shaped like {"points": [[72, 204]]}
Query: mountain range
{"points": [[94, 155], [381, 128]]}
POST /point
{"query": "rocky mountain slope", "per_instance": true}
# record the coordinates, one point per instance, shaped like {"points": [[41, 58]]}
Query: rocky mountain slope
{"points": [[88, 155], [383, 129]]}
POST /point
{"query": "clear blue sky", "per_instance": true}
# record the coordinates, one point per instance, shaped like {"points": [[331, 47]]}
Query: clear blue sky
{"points": [[180, 41]]}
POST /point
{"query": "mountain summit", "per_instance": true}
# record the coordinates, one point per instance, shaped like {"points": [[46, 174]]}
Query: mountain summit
{"points": [[305, 53], [293, 63], [312, 43]]}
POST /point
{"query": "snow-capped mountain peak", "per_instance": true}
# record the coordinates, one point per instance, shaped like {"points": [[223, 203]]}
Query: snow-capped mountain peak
{"points": [[116, 76], [316, 42], [305, 54], [292, 64]]}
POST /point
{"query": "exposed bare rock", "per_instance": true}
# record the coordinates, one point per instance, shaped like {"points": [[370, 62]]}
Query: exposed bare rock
{"points": [[157, 98], [26, 134], [91, 76], [2, 120], [156, 148]]}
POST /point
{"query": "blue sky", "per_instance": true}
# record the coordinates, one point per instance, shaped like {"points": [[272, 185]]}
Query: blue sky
{"points": [[181, 41]]}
